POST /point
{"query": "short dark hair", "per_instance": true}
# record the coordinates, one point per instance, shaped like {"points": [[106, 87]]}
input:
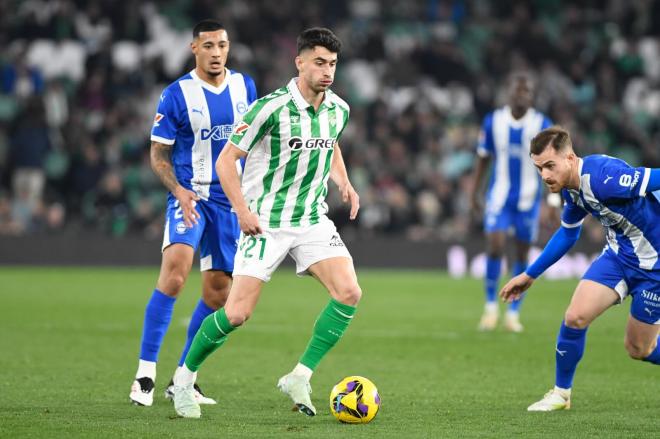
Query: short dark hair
{"points": [[318, 36], [206, 26], [556, 137]]}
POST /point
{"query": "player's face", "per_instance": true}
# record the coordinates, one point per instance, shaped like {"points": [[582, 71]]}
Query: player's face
{"points": [[556, 168], [521, 94], [317, 68], [211, 50]]}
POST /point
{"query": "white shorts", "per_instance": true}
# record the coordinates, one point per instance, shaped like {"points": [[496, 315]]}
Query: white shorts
{"points": [[259, 256]]}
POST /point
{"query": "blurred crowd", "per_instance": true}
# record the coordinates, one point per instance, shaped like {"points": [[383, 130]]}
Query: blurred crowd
{"points": [[80, 80]]}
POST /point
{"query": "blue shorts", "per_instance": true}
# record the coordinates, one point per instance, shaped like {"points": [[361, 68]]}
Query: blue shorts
{"points": [[642, 285], [216, 233], [525, 224]]}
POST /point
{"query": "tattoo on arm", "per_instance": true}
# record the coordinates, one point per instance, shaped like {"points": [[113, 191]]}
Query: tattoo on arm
{"points": [[161, 163]]}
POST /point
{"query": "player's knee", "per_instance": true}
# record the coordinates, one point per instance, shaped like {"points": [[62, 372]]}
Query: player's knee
{"points": [[576, 319], [237, 317], [216, 297], [637, 350], [350, 294], [174, 284]]}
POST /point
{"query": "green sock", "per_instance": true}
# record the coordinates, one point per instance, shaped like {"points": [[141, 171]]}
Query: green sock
{"points": [[211, 335], [328, 329]]}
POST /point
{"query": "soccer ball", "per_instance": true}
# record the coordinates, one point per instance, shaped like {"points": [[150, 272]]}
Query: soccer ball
{"points": [[354, 400]]}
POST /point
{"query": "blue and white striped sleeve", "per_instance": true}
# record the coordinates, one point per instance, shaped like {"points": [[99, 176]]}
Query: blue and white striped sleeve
{"points": [[165, 125], [621, 181], [573, 215]]}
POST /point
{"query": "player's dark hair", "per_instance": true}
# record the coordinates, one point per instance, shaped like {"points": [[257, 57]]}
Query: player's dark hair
{"points": [[206, 26], [318, 36], [555, 137]]}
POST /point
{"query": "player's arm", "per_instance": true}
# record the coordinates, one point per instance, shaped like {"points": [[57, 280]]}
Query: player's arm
{"points": [[625, 182], [483, 161], [225, 166], [654, 181], [161, 163], [485, 150], [339, 175], [560, 243]]}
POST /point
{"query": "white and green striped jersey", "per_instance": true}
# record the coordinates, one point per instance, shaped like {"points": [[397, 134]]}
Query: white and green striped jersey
{"points": [[290, 149]]}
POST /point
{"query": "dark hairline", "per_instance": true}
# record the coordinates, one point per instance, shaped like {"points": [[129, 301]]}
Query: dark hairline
{"points": [[213, 24]]}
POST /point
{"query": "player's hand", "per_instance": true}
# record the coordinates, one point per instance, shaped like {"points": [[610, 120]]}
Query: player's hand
{"points": [[516, 287], [187, 202], [249, 223], [348, 195]]}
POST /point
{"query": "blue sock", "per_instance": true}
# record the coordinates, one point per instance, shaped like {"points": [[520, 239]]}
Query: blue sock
{"points": [[201, 311], [518, 268], [654, 357], [570, 347], [493, 270], [157, 318]]}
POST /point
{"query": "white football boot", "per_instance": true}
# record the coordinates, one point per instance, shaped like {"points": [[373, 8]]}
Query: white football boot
{"points": [[555, 399], [142, 391], [199, 395], [298, 389], [512, 322], [185, 404], [489, 318]]}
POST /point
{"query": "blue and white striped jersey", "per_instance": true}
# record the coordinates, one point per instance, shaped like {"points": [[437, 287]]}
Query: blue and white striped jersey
{"points": [[514, 182], [198, 118], [615, 194]]}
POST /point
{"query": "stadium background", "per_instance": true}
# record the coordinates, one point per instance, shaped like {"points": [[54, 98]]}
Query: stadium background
{"points": [[80, 81]]}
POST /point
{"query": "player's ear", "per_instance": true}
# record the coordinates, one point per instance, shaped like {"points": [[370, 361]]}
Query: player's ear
{"points": [[571, 157], [299, 62]]}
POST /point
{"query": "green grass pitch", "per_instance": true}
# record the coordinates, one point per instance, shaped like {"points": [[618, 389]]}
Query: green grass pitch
{"points": [[69, 340]]}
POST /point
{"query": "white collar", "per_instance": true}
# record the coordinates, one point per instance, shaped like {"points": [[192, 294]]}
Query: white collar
{"points": [[580, 163], [300, 101], [210, 87]]}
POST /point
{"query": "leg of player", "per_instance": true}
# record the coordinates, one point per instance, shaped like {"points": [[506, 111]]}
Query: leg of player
{"points": [[215, 289], [338, 276], [495, 251], [642, 341], [589, 301], [175, 266], [512, 319], [212, 334]]}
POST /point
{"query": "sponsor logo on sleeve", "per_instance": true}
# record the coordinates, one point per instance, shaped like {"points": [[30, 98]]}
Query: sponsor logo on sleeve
{"points": [[241, 128], [157, 119]]}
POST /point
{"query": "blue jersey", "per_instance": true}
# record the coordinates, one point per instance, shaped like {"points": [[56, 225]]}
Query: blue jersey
{"points": [[615, 194], [198, 118], [514, 182]]}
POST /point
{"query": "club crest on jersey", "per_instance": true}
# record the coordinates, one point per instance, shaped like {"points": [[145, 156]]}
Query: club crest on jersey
{"points": [[241, 107], [296, 143], [157, 119]]}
